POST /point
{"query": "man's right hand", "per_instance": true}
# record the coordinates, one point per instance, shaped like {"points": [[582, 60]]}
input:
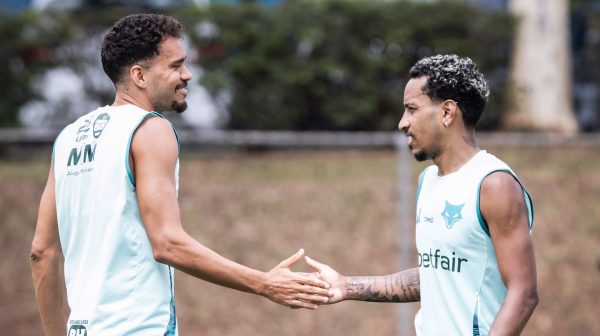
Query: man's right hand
{"points": [[295, 290]]}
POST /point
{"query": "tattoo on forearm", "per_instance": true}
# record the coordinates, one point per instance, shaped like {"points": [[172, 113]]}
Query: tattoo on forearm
{"points": [[399, 287]]}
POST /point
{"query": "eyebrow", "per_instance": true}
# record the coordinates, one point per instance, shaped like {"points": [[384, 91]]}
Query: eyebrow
{"points": [[179, 61]]}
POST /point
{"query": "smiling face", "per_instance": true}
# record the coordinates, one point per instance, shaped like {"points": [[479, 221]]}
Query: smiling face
{"points": [[421, 121], [167, 77]]}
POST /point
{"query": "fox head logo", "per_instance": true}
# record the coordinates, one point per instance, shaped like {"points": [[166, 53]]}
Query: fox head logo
{"points": [[452, 214]]}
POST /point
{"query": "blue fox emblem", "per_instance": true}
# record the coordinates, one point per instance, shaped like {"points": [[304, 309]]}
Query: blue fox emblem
{"points": [[452, 214]]}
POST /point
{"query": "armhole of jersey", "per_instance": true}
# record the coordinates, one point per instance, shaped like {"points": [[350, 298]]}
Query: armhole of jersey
{"points": [[53, 158], [128, 151], [526, 198], [421, 178], [174, 131]]}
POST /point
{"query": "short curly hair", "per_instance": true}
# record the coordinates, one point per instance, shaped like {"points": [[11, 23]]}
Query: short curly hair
{"points": [[135, 38], [456, 78]]}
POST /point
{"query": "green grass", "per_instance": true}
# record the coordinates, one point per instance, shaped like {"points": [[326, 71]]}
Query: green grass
{"points": [[341, 207]]}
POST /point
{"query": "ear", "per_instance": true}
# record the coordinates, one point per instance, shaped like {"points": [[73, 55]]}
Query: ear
{"points": [[449, 112], [139, 76]]}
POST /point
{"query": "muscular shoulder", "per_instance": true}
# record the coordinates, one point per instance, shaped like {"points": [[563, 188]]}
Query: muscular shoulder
{"points": [[502, 201], [153, 126], [155, 137], [500, 185]]}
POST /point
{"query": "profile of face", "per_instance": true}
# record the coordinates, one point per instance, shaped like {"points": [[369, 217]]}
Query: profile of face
{"points": [[421, 121], [168, 76]]}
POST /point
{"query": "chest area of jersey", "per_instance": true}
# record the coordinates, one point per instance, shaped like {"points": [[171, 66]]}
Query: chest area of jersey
{"points": [[448, 234], [447, 215]]}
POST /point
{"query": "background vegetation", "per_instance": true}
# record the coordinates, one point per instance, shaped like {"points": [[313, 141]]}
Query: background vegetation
{"points": [[27, 50], [301, 65], [341, 207], [338, 65]]}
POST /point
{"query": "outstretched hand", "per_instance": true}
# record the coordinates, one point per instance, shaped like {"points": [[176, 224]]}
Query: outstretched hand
{"points": [[333, 278], [295, 290]]}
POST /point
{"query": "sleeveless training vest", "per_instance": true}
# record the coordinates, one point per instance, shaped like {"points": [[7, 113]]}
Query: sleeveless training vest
{"points": [[461, 286], [114, 285]]}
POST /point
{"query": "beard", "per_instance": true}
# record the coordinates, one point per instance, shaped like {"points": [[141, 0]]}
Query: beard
{"points": [[430, 149], [168, 101], [424, 154], [179, 107], [164, 104], [421, 156]]}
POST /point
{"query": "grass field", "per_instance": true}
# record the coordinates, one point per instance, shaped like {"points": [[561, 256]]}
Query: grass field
{"points": [[341, 207]]}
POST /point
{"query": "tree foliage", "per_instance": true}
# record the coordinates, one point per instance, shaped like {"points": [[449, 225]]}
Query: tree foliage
{"points": [[338, 65], [301, 65], [26, 51]]}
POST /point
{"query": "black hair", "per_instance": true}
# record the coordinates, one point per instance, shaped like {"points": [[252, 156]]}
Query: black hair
{"points": [[452, 77], [135, 38]]}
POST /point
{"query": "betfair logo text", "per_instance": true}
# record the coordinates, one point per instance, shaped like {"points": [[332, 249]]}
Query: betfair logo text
{"points": [[437, 260]]}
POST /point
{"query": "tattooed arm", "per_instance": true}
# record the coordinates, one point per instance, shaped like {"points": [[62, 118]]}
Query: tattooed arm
{"points": [[398, 287]]}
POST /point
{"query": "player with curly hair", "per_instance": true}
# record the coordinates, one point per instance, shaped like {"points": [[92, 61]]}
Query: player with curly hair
{"points": [[110, 204], [476, 271]]}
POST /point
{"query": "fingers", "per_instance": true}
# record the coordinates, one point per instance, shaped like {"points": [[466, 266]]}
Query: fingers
{"points": [[312, 275], [307, 301], [296, 304], [289, 262], [314, 283], [314, 264], [316, 299]]}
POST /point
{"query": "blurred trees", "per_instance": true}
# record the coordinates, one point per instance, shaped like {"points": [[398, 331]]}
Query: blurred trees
{"points": [[26, 51], [301, 65], [338, 65]]}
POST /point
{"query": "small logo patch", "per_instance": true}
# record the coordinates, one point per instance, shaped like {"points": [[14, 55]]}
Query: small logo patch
{"points": [[77, 330], [99, 124], [452, 214]]}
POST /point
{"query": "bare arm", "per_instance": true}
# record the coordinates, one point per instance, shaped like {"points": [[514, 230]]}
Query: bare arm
{"points": [[398, 287], [46, 264], [154, 151], [503, 207]]}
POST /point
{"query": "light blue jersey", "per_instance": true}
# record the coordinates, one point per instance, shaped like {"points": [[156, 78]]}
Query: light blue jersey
{"points": [[461, 286], [114, 285]]}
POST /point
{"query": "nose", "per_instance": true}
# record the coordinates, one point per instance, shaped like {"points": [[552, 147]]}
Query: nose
{"points": [[186, 74], [403, 123]]}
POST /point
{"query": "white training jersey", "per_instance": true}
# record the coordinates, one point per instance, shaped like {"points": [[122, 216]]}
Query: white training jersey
{"points": [[461, 286], [114, 285]]}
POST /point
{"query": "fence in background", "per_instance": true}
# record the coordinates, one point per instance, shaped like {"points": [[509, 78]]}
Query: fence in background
{"points": [[287, 139], [15, 142]]}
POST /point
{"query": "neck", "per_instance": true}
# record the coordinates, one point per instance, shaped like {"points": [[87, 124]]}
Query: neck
{"points": [[458, 151], [125, 96]]}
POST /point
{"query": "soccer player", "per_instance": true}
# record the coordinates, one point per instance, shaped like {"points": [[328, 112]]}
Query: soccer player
{"points": [[110, 204], [476, 270]]}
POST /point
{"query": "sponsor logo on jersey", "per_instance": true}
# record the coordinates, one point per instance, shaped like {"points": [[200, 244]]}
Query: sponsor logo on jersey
{"points": [[425, 218], [77, 328], [100, 124], [75, 156], [86, 151], [452, 214], [437, 260]]}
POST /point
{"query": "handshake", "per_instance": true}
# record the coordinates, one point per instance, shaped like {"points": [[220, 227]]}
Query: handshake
{"points": [[303, 290]]}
